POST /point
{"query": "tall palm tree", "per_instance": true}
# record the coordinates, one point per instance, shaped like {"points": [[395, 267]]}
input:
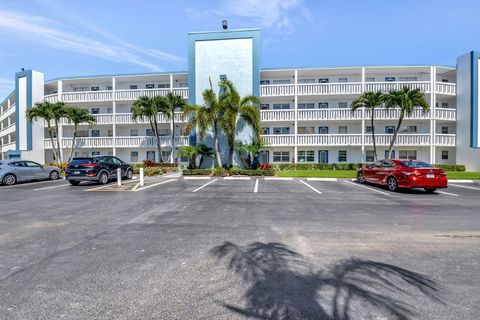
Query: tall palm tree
{"points": [[172, 103], [370, 100], [238, 108], [46, 111], [77, 116], [251, 150], [149, 108], [207, 117], [407, 100], [203, 151], [58, 110]]}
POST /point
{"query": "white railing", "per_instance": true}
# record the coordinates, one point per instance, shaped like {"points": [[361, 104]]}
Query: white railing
{"points": [[127, 118], [7, 112], [445, 140], [7, 146], [413, 139], [99, 119], [394, 113], [277, 90], [329, 88], [135, 94], [446, 114], [82, 142], [150, 141], [277, 115], [8, 129], [446, 88], [87, 96], [52, 98], [329, 139], [397, 85], [329, 114], [279, 139]]}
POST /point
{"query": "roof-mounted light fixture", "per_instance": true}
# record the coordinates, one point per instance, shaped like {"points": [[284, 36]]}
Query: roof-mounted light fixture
{"points": [[224, 24]]}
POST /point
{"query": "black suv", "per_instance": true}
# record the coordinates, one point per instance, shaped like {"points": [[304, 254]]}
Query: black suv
{"points": [[100, 169]]}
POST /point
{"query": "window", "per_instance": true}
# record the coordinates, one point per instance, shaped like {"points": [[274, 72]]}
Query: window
{"points": [[183, 159], [281, 156], [444, 104], [306, 156], [166, 155], [342, 155], [445, 130], [150, 86], [78, 89], [408, 154], [306, 130], [342, 129], [264, 156], [16, 164], [392, 156], [266, 130], [133, 87], [369, 79], [223, 77], [82, 133], [183, 84], [407, 79], [134, 156], [163, 132], [109, 88], [322, 156], [133, 132], [444, 154], [323, 80], [278, 106], [445, 80], [306, 80], [151, 155], [109, 110], [281, 81], [263, 82], [368, 129], [306, 106], [343, 105], [95, 111], [323, 105], [389, 129], [81, 154], [95, 88], [164, 86], [110, 132], [389, 79], [342, 79], [281, 130], [31, 164], [95, 153], [322, 130], [411, 129], [264, 106], [150, 133], [369, 156], [96, 133]]}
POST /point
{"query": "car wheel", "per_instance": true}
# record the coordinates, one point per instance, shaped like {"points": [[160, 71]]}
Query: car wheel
{"points": [[9, 180], [74, 183], [360, 177], [53, 175], [392, 184], [129, 174], [430, 190], [103, 178]]}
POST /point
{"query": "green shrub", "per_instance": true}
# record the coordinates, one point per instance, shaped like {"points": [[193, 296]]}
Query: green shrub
{"points": [[154, 171], [234, 170], [197, 172], [317, 166], [256, 172], [450, 167], [219, 172]]}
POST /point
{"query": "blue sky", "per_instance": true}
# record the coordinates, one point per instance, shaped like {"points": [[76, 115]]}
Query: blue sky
{"points": [[66, 38]]}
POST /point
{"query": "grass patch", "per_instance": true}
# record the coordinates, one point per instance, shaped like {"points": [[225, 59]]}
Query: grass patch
{"points": [[463, 175], [318, 173]]}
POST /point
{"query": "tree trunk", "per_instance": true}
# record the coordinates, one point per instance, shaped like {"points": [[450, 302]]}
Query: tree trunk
{"points": [[217, 146], [154, 125], [231, 150], [73, 142], [172, 156], [49, 127], [400, 120], [60, 160], [201, 161], [373, 137]]}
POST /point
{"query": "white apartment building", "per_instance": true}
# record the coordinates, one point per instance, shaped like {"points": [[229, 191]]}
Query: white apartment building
{"points": [[305, 112]]}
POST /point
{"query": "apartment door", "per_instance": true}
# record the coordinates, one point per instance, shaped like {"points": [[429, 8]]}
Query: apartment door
{"points": [[322, 156]]}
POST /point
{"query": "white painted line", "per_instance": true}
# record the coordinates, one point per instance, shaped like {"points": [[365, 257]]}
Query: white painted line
{"points": [[237, 178], [25, 184], [197, 178], [462, 181], [155, 184], [319, 192], [447, 193], [466, 187], [278, 178], [109, 185], [322, 179], [255, 190], [52, 187], [365, 187], [136, 186], [206, 184]]}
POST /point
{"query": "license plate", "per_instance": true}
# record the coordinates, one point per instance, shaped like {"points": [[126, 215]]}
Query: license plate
{"points": [[76, 172], [430, 175]]}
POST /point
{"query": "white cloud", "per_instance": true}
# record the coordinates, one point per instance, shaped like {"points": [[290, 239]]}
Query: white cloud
{"points": [[54, 34]]}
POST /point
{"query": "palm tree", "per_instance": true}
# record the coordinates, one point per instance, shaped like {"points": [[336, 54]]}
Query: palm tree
{"points": [[206, 117], [47, 111], [251, 150], [238, 108], [172, 103], [203, 151], [190, 152], [149, 108], [370, 100], [77, 116], [407, 100]]}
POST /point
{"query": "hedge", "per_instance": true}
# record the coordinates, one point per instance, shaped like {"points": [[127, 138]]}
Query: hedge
{"points": [[317, 166], [450, 167], [222, 172], [197, 172]]}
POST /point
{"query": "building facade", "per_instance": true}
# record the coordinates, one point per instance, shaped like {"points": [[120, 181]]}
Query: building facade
{"points": [[305, 112]]}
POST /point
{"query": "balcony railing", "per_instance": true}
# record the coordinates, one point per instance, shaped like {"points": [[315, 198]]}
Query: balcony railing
{"points": [[127, 118], [329, 114], [99, 119], [446, 140], [329, 88], [446, 114], [279, 139], [413, 139], [7, 146], [277, 115], [446, 88], [126, 142], [329, 139], [277, 90], [8, 129], [393, 114]]}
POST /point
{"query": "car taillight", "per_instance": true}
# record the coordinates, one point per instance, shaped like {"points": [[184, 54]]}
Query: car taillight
{"points": [[90, 165], [409, 173], [442, 174]]}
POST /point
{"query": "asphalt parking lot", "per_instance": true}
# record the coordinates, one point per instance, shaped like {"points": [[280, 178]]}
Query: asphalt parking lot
{"points": [[238, 249]]}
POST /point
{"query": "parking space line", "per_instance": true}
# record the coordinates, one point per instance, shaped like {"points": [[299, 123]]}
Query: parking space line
{"points": [[255, 190], [52, 187], [460, 186], [155, 184], [447, 193], [365, 187], [203, 186], [196, 178], [25, 184], [110, 185], [237, 178], [322, 179], [278, 178], [317, 191]]}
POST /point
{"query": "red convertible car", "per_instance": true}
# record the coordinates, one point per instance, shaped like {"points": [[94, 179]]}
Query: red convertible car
{"points": [[403, 174]]}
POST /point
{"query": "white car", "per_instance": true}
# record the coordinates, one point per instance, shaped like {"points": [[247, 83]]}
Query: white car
{"points": [[13, 171]]}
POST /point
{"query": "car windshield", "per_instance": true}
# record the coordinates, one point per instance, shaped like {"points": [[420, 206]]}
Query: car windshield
{"points": [[415, 164], [77, 161]]}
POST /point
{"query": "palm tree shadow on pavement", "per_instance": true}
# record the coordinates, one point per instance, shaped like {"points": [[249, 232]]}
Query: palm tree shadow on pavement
{"points": [[283, 285]]}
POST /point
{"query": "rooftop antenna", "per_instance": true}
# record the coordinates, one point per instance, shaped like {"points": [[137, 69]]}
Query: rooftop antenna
{"points": [[224, 24]]}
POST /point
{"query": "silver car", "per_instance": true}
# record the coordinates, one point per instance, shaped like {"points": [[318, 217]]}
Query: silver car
{"points": [[13, 171]]}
